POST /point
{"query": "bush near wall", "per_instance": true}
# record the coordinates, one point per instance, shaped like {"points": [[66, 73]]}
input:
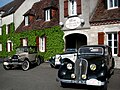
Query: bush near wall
{"points": [[54, 43]]}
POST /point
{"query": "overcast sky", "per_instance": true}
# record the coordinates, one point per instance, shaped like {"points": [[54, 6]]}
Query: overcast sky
{"points": [[3, 2]]}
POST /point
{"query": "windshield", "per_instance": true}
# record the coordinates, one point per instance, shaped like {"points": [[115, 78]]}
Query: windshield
{"points": [[91, 50], [21, 50], [70, 50]]}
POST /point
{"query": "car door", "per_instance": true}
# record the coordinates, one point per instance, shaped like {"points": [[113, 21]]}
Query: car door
{"points": [[32, 54]]}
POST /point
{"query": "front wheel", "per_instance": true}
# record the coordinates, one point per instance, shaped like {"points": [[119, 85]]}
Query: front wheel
{"points": [[26, 65], [7, 67], [103, 87]]}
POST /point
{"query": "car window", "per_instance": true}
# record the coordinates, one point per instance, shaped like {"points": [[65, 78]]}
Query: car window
{"points": [[91, 50]]}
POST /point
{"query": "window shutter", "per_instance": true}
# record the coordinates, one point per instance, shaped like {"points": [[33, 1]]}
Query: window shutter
{"points": [[105, 4], [8, 28], [37, 42], [119, 43], [100, 38], [45, 43], [78, 7], [65, 8], [10, 46]]}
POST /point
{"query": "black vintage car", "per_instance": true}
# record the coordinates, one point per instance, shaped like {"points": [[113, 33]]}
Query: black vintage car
{"points": [[93, 67], [24, 57]]}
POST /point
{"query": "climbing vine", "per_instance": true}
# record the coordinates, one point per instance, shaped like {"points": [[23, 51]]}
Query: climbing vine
{"points": [[54, 43]]}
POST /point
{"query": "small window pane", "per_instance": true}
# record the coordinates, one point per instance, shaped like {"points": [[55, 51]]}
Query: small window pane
{"points": [[109, 36], [115, 43], [115, 50], [115, 36], [110, 43], [116, 2]]}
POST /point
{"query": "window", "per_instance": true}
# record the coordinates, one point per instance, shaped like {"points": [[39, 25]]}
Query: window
{"points": [[8, 29], [72, 7], [9, 45], [25, 42], [112, 40], [47, 15], [0, 47], [26, 20], [112, 4], [42, 44]]}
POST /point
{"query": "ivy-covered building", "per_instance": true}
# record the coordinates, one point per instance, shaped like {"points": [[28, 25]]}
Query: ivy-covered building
{"points": [[39, 27]]}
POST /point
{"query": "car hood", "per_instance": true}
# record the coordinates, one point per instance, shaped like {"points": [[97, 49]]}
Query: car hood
{"points": [[21, 54]]}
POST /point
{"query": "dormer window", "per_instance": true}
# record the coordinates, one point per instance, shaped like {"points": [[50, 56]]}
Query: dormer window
{"points": [[112, 4], [72, 7], [26, 20], [47, 14]]}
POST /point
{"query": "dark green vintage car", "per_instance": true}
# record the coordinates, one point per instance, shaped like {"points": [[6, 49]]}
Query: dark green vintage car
{"points": [[93, 67], [24, 57]]}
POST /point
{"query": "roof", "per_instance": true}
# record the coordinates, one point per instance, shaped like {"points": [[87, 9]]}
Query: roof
{"points": [[11, 7], [104, 16], [36, 14]]}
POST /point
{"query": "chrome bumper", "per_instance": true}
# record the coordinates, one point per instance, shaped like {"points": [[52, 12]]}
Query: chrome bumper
{"points": [[91, 82], [12, 63]]}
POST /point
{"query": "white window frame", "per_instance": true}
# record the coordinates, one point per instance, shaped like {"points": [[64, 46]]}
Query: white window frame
{"points": [[25, 42], [0, 22], [6, 29], [0, 47], [42, 44], [26, 20], [9, 48], [47, 15], [112, 42], [0, 30], [72, 7], [109, 3]]}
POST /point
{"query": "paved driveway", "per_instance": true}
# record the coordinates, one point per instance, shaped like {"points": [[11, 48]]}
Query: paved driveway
{"points": [[42, 77]]}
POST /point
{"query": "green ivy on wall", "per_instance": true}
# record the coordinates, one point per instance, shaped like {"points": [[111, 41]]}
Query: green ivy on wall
{"points": [[54, 43]]}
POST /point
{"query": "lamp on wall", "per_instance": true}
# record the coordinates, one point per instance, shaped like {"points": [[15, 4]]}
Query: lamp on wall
{"points": [[82, 22], [61, 24]]}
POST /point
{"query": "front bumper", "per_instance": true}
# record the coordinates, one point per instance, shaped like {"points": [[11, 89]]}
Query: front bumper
{"points": [[91, 82], [12, 63]]}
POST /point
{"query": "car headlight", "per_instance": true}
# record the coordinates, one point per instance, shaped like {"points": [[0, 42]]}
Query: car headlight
{"points": [[84, 76], [69, 66], [93, 67], [73, 75]]}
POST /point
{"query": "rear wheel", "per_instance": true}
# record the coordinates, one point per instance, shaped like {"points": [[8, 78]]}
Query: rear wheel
{"points": [[26, 65], [38, 61]]}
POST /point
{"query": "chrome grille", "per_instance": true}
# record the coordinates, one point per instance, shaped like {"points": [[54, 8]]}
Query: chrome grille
{"points": [[15, 58], [81, 68]]}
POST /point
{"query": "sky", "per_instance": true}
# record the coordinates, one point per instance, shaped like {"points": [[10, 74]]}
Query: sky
{"points": [[3, 2]]}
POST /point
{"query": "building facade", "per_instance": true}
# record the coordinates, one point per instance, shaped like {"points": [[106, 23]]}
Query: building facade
{"points": [[91, 22]]}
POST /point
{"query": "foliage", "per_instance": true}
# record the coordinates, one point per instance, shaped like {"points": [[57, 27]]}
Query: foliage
{"points": [[54, 43]]}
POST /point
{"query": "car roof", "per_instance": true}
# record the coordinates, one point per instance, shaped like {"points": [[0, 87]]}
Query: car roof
{"points": [[103, 46]]}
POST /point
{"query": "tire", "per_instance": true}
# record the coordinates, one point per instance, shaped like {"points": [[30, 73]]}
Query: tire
{"points": [[52, 66], [7, 67], [103, 87], [38, 61], [64, 85], [26, 65]]}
